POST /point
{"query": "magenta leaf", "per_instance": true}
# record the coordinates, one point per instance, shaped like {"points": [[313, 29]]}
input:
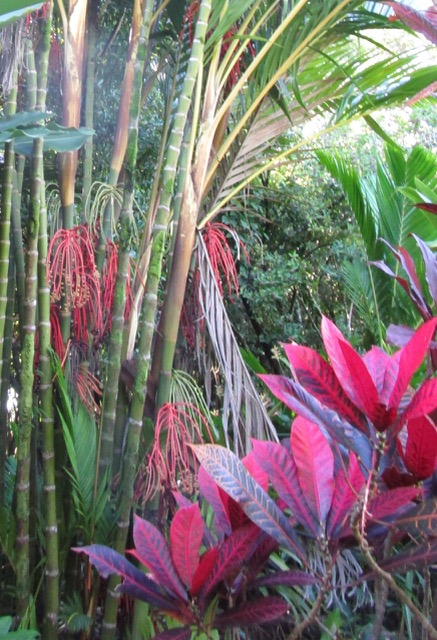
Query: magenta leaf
{"points": [[256, 470], [315, 466], [186, 533], [399, 335], [335, 429], [421, 449], [136, 583], [430, 262], [318, 378], [347, 488], [281, 468], [254, 612], [386, 505], [207, 561], [233, 553], [232, 476], [376, 361], [423, 403], [349, 369], [423, 22], [153, 552], [405, 362]]}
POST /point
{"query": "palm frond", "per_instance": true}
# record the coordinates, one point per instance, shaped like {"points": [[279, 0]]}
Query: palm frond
{"points": [[242, 403]]}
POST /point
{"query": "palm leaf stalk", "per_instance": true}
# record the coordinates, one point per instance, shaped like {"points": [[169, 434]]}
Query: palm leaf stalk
{"points": [[25, 405], [122, 127], [90, 75], [135, 420], [74, 23], [118, 313]]}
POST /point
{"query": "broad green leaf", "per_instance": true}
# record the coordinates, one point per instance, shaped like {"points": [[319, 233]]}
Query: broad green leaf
{"points": [[5, 624], [21, 119], [56, 138], [12, 10]]}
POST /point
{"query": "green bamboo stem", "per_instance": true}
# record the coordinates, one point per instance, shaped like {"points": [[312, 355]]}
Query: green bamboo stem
{"points": [[25, 406], [51, 581], [31, 83], [5, 243], [17, 234]]}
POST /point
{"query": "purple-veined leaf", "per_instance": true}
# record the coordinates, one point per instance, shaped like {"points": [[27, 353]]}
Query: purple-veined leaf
{"points": [[399, 335], [186, 533], [347, 488], [413, 293], [108, 562], [229, 473], [430, 261], [407, 361], [254, 612], [152, 550], [206, 564], [211, 492], [315, 466], [376, 361], [424, 402], [349, 369], [232, 555], [174, 634], [385, 505], [281, 468], [420, 520], [332, 425], [290, 578], [421, 449], [425, 22], [318, 378], [415, 558]]}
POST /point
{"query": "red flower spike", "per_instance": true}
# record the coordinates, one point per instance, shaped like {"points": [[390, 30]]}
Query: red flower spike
{"points": [[220, 255], [179, 425]]}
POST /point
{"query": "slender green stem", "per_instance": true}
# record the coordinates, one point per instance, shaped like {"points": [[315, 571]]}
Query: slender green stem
{"points": [[25, 406]]}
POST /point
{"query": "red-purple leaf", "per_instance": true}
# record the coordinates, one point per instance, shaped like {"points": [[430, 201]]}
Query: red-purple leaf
{"points": [[256, 471], [136, 583], [315, 464], [407, 361], [332, 425], [420, 520], [207, 561], [318, 378], [427, 206], [421, 449], [281, 468], [231, 474], [233, 553], [385, 505], [349, 369], [399, 335], [152, 550], [423, 22], [376, 361], [186, 533], [290, 578], [416, 558], [430, 261], [424, 402], [347, 488], [252, 613], [211, 492]]}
